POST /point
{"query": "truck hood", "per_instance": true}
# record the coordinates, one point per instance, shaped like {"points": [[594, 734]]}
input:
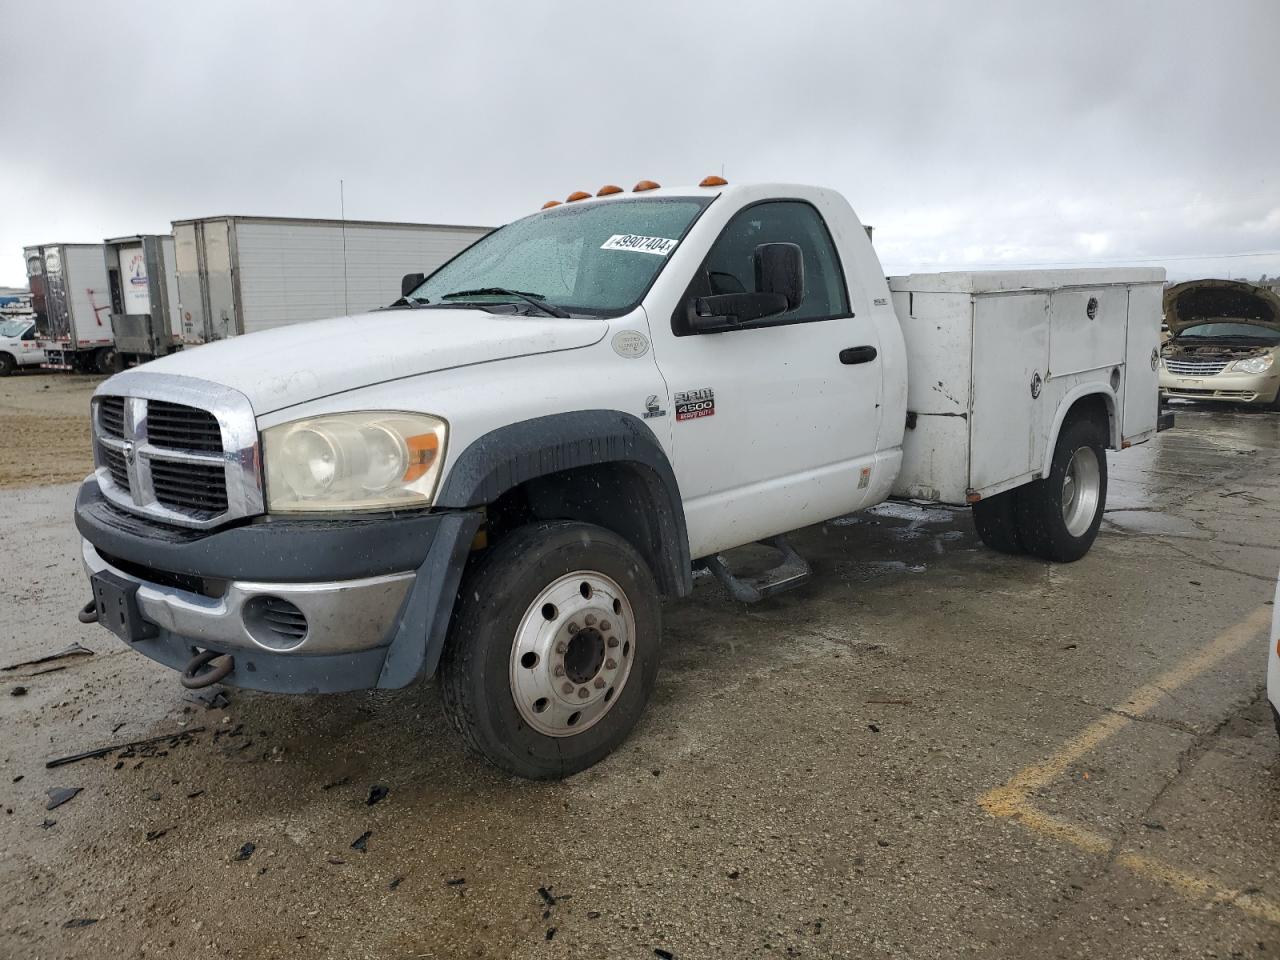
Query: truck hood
{"points": [[305, 361], [1198, 301]]}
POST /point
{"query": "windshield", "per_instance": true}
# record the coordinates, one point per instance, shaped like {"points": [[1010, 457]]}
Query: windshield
{"points": [[596, 258], [13, 328], [1212, 331]]}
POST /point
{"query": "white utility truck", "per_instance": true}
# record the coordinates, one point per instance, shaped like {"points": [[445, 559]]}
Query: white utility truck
{"points": [[18, 344], [501, 478], [145, 319], [77, 305], [244, 274]]}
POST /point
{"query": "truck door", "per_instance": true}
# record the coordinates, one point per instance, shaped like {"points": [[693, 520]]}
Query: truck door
{"points": [[772, 428], [1141, 404]]}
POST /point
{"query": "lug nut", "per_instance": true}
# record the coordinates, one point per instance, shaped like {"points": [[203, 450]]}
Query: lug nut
{"points": [[599, 683], [583, 693], [591, 619], [611, 664], [606, 626], [612, 641], [567, 688], [573, 627], [559, 671], [561, 647]]}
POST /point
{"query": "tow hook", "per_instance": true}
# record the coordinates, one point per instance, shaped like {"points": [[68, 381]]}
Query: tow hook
{"points": [[219, 664], [88, 613]]}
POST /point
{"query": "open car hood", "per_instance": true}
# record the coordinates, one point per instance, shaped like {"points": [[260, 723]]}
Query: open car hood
{"points": [[1203, 301]]}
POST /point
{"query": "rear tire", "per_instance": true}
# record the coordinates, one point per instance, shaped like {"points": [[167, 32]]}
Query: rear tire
{"points": [[7, 364], [997, 521], [104, 361], [1059, 516], [557, 631]]}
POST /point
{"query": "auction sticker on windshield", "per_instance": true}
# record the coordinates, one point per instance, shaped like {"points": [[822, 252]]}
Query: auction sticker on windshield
{"points": [[660, 246]]}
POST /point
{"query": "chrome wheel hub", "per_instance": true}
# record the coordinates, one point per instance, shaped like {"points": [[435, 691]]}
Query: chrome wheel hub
{"points": [[572, 653], [1081, 490]]}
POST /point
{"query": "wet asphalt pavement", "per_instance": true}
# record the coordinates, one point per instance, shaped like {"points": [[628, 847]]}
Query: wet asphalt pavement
{"points": [[930, 750]]}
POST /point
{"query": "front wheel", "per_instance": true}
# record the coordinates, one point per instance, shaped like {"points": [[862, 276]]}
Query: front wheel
{"points": [[1059, 516], [553, 650], [7, 364]]}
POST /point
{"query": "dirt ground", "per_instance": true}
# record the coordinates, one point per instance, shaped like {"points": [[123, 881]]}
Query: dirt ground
{"points": [[929, 751], [44, 427]]}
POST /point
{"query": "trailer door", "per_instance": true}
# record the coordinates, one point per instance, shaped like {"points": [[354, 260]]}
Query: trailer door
{"points": [[219, 281]]}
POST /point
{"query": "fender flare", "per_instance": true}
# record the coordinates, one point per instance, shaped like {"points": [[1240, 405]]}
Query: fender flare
{"points": [[1068, 401], [513, 454]]}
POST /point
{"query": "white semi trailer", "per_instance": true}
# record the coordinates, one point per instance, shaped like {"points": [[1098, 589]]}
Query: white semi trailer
{"points": [[243, 274], [145, 319], [77, 305]]}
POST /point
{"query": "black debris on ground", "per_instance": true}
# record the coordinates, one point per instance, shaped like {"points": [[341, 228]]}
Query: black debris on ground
{"points": [[246, 851], [150, 747], [547, 897], [551, 933], [156, 834], [18, 691], [194, 793], [873, 728], [664, 954], [377, 792], [395, 882], [47, 823], [79, 922], [155, 795], [456, 882], [336, 861], [340, 782], [18, 777], [60, 795], [361, 842], [211, 698], [593, 914]]}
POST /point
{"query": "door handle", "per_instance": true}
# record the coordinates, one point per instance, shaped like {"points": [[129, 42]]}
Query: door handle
{"points": [[858, 354]]}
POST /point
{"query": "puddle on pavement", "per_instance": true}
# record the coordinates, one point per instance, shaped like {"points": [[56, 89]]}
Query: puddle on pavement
{"points": [[1149, 522]]}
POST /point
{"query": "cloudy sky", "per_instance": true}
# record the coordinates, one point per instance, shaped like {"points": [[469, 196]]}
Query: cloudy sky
{"points": [[968, 133]]}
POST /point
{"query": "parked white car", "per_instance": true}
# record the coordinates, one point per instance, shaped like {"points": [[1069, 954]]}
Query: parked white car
{"points": [[18, 345]]}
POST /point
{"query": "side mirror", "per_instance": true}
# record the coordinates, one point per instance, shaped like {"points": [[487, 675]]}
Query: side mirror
{"points": [[411, 282], [780, 270]]}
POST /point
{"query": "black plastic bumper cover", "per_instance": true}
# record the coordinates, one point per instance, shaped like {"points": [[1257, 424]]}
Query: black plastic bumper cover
{"points": [[436, 545]]}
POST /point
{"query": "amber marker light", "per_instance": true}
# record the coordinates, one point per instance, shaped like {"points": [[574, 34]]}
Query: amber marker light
{"points": [[550, 203], [714, 181], [423, 450], [576, 196], [607, 190], [644, 185]]}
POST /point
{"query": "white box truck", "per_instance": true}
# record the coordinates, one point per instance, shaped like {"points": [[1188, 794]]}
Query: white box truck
{"points": [[242, 274], [145, 319], [77, 306], [499, 480]]}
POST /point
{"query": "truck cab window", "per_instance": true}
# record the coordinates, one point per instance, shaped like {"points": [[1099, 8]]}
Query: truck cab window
{"points": [[730, 266]]}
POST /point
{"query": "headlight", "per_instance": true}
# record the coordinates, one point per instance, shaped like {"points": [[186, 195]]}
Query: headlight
{"points": [[353, 461], [1254, 364]]}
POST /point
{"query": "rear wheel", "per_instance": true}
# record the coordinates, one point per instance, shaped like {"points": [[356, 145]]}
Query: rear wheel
{"points": [[104, 361], [554, 649], [997, 521], [7, 364], [1059, 516]]}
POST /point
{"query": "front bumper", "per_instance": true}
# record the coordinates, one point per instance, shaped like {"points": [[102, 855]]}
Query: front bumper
{"points": [[1230, 387], [376, 593]]}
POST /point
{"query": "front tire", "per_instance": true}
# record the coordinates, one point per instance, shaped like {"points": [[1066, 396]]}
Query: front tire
{"points": [[554, 649], [7, 364], [1059, 516]]}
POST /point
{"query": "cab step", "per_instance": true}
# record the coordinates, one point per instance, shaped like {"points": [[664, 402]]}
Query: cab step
{"points": [[792, 571]]}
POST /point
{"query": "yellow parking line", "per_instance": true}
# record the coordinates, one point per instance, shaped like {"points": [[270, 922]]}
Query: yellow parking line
{"points": [[1011, 799]]}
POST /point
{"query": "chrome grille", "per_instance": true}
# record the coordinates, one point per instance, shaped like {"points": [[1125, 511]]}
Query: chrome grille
{"points": [[111, 416], [179, 449], [182, 428], [1195, 368]]}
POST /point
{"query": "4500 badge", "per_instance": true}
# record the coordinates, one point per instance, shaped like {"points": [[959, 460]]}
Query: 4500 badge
{"points": [[691, 404]]}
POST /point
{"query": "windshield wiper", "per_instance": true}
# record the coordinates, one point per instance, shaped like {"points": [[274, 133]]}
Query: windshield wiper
{"points": [[534, 299]]}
